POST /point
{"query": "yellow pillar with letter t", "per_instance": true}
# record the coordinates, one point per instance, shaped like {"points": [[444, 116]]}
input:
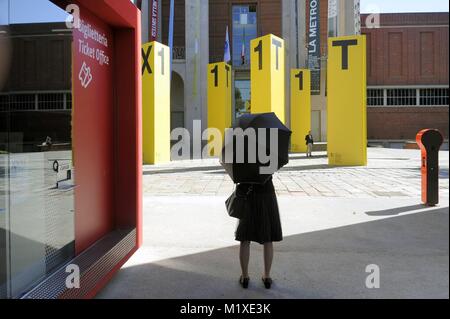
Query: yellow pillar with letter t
{"points": [[156, 103], [267, 75], [300, 108], [219, 100], [347, 92]]}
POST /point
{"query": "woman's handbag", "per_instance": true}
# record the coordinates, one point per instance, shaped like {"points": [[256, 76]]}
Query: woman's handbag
{"points": [[238, 204]]}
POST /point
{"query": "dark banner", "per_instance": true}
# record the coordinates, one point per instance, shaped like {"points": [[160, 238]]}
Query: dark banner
{"points": [[154, 20], [232, 309], [314, 45]]}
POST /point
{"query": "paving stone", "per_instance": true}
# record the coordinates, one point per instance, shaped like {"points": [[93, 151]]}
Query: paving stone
{"points": [[385, 176]]}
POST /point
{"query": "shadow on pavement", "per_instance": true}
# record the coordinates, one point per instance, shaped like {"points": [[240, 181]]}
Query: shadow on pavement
{"points": [[411, 252], [396, 211], [184, 170], [443, 172], [303, 156], [307, 167]]}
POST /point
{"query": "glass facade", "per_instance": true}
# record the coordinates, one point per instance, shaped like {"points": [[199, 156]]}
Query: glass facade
{"points": [[244, 30], [242, 97], [36, 167]]}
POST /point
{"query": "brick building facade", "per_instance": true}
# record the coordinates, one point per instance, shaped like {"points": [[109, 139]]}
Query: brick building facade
{"points": [[407, 74]]}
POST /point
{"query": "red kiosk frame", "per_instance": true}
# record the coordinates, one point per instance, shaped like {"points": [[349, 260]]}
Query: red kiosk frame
{"points": [[107, 145]]}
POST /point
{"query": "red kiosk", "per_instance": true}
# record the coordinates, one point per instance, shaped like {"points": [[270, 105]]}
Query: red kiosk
{"points": [[107, 149], [430, 141]]}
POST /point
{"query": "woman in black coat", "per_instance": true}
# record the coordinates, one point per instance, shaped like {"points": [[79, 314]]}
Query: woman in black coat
{"points": [[262, 225]]}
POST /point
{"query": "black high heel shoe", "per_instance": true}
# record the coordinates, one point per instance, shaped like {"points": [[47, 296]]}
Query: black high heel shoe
{"points": [[267, 282], [244, 282]]}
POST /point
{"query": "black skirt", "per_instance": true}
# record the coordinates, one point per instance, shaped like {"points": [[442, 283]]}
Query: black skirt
{"points": [[262, 223]]}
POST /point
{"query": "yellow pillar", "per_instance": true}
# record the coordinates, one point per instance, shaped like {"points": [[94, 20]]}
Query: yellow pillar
{"points": [[219, 100], [156, 103], [300, 108], [267, 75], [347, 115]]}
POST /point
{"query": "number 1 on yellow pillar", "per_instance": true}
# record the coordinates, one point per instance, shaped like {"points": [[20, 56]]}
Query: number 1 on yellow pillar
{"points": [[155, 103], [219, 103], [300, 108]]}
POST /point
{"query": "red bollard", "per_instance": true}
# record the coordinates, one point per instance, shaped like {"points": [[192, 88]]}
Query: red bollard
{"points": [[430, 141]]}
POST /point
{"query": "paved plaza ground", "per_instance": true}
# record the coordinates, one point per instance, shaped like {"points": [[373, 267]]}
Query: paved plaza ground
{"points": [[336, 222]]}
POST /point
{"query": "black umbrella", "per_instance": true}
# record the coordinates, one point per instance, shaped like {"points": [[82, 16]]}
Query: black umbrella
{"points": [[242, 166]]}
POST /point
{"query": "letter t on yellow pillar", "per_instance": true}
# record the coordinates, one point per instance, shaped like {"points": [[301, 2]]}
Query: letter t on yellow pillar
{"points": [[347, 113], [267, 75], [300, 108], [156, 103]]}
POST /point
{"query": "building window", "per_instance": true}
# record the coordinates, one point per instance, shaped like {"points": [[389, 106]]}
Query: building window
{"points": [[51, 101], [434, 96], [407, 96], [401, 97], [244, 30], [375, 97], [4, 102], [69, 101], [242, 97], [23, 102]]}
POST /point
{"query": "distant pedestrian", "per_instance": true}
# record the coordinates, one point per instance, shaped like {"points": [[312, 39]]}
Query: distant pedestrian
{"points": [[48, 142], [309, 143]]}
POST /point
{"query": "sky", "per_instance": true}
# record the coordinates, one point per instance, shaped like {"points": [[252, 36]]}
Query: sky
{"points": [[391, 6], [26, 11]]}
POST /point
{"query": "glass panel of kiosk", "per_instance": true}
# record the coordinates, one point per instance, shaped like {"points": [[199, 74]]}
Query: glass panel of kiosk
{"points": [[36, 167]]}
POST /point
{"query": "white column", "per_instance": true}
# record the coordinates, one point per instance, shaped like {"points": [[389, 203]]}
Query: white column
{"points": [[197, 59], [294, 35], [347, 14]]}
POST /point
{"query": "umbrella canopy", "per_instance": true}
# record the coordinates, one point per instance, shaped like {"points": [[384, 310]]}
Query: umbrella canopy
{"points": [[246, 167]]}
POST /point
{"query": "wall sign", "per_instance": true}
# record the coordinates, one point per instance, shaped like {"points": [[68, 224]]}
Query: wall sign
{"points": [[93, 47], [154, 9], [314, 45]]}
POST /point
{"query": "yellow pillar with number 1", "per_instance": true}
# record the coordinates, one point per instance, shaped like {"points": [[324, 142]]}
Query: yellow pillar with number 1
{"points": [[219, 101], [156, 103], [267, 75], [300, 108]]}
